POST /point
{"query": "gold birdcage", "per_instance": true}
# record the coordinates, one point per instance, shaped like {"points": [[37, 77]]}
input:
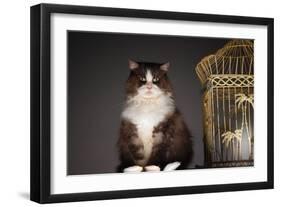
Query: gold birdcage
{"points": [[227, 78]]}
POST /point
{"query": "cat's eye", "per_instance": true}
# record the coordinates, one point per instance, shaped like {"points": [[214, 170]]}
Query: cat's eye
{"points": [[142, 79], [155, 80]]}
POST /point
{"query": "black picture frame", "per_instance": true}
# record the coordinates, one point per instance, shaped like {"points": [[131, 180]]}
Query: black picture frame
{"points": [[40, 102]]}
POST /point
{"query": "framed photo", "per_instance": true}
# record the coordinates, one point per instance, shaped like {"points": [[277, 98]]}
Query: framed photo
{"points": [[132, 103]]}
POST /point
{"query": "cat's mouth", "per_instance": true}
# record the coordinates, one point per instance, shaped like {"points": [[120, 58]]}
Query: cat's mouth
{"points": [[149, 92]]}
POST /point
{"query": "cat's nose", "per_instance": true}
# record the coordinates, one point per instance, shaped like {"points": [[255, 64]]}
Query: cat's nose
{"points": [[149, 85]]}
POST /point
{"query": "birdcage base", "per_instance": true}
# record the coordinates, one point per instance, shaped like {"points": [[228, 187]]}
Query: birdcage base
{"points": [[236, 163]]}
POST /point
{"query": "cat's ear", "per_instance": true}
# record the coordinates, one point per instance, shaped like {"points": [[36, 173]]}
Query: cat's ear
{"points": [[165, 67], [132, 64]]}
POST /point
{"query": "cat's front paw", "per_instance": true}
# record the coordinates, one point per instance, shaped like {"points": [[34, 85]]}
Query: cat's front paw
{"points": [[172, 166], [133, 169], [152, 168]]}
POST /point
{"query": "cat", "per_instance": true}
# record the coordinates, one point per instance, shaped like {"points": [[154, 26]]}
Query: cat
{"points": [[153, 135]]}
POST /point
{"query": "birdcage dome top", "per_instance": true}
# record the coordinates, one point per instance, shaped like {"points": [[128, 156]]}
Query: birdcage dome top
{"points": [[235, 58]]}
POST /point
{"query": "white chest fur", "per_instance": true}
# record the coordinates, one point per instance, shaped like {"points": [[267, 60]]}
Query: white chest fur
{"points": [[147, 114]]}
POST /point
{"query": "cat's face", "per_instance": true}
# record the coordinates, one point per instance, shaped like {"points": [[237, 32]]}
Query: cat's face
{"points": [[148, 80]]}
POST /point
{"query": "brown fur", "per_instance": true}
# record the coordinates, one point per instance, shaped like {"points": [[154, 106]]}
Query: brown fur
{"points": [[133, 82], [171, 137], [175, 145]]}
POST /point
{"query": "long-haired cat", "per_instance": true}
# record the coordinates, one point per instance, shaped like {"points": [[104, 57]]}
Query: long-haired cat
{"points": [[153, 135]]}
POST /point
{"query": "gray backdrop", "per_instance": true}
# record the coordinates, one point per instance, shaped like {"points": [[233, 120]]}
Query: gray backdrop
{"points": [[97, 71]]}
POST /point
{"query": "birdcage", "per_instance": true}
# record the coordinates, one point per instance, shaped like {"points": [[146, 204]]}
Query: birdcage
{"points": [[227, 79]]}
